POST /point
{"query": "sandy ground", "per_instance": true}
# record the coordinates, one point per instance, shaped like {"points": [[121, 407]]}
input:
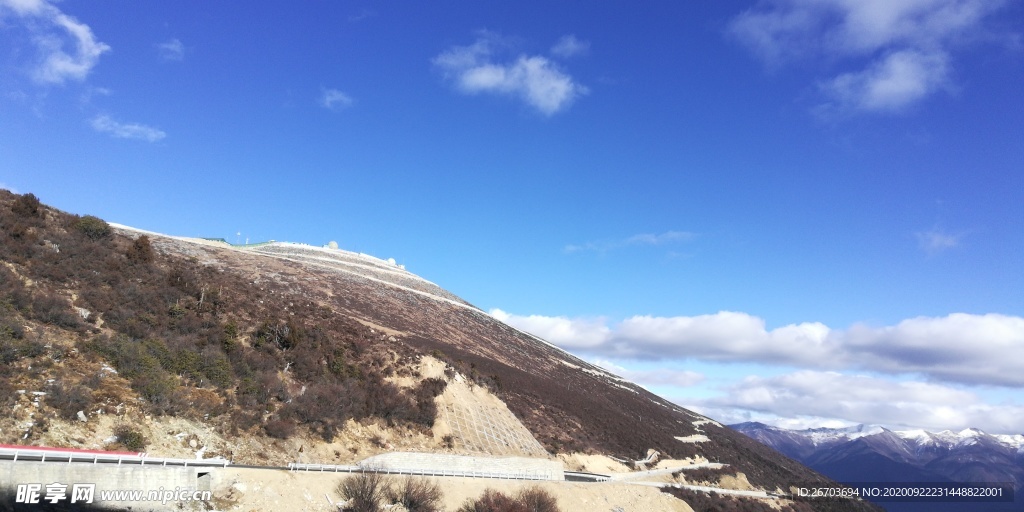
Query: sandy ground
{"points": [[260, 490]]}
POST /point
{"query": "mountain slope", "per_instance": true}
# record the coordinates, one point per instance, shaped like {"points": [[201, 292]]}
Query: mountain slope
{"points": [[282, 347]]}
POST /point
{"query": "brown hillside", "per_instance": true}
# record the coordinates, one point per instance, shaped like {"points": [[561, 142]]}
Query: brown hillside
{"points": [[288, 344]]}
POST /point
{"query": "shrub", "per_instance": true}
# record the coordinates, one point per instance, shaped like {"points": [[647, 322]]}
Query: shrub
{"points": [[431, 387], [27, 205], [157, 388], [280, 429], [492, 501], [55, 310], [364, 492], [68, 400], [538, 500], [416, 495], [92, 227], [530, 499], [130, 438], [14, 346], [140, 251], [12, 290], [216, 367], [229, 337]]}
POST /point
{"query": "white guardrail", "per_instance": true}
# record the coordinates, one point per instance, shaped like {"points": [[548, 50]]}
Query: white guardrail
{"points": [[332, 468], [95, 457], [33, 454]]}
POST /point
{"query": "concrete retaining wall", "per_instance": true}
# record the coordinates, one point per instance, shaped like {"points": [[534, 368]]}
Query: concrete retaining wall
{"points": [[108, 477]]}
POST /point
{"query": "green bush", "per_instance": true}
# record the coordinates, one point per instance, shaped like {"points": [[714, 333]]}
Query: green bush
{"points": [[216, 367], [92, 227]]}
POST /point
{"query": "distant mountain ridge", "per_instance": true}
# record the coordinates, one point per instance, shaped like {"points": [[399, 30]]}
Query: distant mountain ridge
{"points": [[827, 436], [871, 453]]}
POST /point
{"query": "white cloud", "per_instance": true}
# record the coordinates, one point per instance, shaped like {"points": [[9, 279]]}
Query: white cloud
{"points": [[137, 131], [533, 79], [900, 79], [58, 30], [8, 187], [971, 349], [575, 333], [936, 240], [570, 46], [667, 237], [905, 43], [172, 50], [963, 348], [813, 398], [333, 99], [723, 336]]}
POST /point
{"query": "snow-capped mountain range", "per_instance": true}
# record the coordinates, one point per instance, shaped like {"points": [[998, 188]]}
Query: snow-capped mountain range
{"points": [[946, 438], [871, 453]]}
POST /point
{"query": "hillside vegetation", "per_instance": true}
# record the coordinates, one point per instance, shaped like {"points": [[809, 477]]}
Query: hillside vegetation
{"points": [[191, 340], [266, 346]]}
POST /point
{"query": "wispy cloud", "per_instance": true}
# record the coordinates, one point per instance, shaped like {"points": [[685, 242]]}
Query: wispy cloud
{"points": [[362, 15], [8, 187], [935, 240], [961, 348], [906, 44], [534, 79], [172, 50], [333, 99], [105, 124], [667, 237], [570, 46], [53, 31]]}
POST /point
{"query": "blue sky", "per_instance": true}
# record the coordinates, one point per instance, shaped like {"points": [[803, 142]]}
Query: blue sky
{"points": [[768, 209]]}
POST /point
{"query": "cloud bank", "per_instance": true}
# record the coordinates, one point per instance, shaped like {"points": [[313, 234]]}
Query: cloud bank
{"points": [[960, 348], [533, 79], [862, 398], [906, 44], [53, 31]]}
